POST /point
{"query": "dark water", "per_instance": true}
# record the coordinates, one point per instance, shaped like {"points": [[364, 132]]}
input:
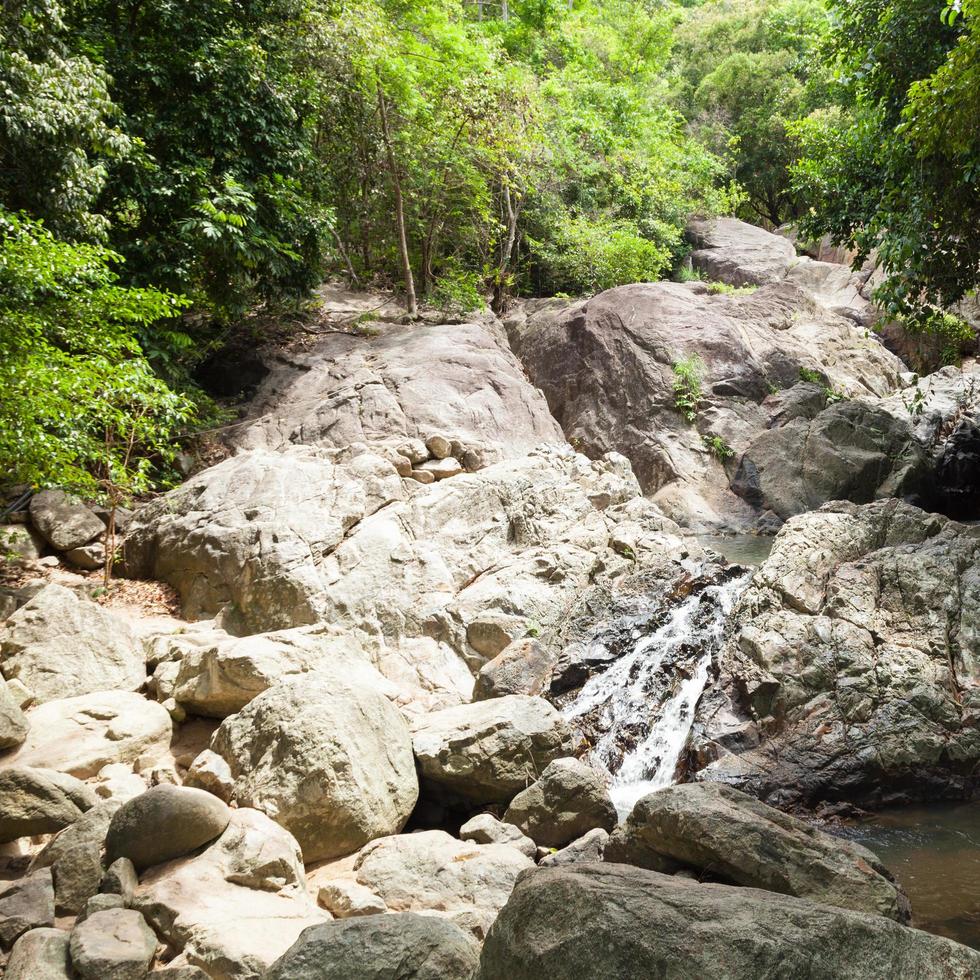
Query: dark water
{"points": [[934, 851], [742, 549]]}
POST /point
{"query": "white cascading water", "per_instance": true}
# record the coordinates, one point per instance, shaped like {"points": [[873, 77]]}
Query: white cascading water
{"points": [[621, 693]]}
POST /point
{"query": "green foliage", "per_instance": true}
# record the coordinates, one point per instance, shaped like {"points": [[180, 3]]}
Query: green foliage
{"points": [[688, 373], [79, 405], [816, 378], [718, 447], [893, 169]]}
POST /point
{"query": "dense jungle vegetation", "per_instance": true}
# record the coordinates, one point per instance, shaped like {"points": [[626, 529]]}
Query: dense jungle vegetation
{"points": [[168, 167]]}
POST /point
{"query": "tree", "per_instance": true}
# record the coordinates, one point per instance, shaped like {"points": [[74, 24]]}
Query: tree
{"points": [[895, 169]]}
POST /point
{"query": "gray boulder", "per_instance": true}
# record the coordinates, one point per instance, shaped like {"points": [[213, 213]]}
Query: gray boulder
{"points": [[588, 849], [100, 903], [568, 800], [484, 828], [855, 652], [75, 858], [327, 757], [40, 954], [63, 521], [380, 947], [20, 540], [115, 944], [120, 879], [27, 903], [14, 725], [740, 254], [62, 645], [40, 801], [619, 923], [163, 823], [488, 751], [522, 667], [717, 829]]}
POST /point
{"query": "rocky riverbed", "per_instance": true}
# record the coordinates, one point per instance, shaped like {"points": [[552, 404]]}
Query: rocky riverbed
{"points": [[453, 617]]}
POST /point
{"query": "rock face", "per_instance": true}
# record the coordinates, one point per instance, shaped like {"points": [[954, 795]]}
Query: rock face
{"points": [[618, 923], [116, 943], [735, 837], [405, 383], [60, 645], [82, 735], [163, 823], [329, 759], [238, 906], [41, 954], [606, 366], [568, 800], [488, 751], [379, 947], [857, 643], [430, 871], [853, 451], [64, 522], [75, 858], [40, 801]]}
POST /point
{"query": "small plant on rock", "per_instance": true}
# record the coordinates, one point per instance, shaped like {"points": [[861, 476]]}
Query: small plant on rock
{"points": [[718, 447], [688, 372]]}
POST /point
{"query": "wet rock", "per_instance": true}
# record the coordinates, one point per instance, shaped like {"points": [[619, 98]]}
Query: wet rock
{"points": [[619, 923], [115, 944], [487, 751], [40, 954], [75, 858], [522, 667], [487, 829], [40, 801], [409, 946], [430, 871], [719, 830], [27, 903], [163, 823], [331, 733], [62, 645], [568, 800], [84, 734], [63, 521], [588, 849]]}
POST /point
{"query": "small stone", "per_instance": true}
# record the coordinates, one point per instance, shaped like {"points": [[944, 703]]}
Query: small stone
{"points": [[62, 521], [211, 773], [100, 903], [442, 469], [345, 899], [113, 943], [176, 712], [487, 829], [423, 476], [439, 446], [40, 954], [49, 561], [403, 465], [586, 850], [414, 451], [88, 558], [163, 823], [26, 904], [472, 460], [120, 879]]}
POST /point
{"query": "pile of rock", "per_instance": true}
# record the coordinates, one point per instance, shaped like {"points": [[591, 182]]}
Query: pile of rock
{"points": [[434, 458]]}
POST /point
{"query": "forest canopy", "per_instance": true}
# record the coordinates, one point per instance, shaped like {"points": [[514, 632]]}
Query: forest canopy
{"points": [[167, 168]]}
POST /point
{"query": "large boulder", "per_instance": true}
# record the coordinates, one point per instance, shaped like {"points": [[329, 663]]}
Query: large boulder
{"points": [[115, 944], [429, 871], [568, 800], [522, 667], [40, 954], [403, 383], [236, 907], [327, 757], [380, 947], [618, 922], [61, 645], [719, 830], [606, 366], [75, 858], [40, 801], [84, 734], [27, 903], [163, 823], [855, 654], [488, 751], [63, 521], [852, 450], [740, 254]]}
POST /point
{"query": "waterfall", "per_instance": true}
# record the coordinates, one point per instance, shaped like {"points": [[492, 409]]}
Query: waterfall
{"points": [[644, 703]]}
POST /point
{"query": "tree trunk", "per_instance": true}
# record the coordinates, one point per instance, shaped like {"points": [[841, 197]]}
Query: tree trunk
{"points": [[411, 305], [506, 252]]}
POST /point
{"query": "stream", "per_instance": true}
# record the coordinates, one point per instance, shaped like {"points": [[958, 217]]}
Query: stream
{"points": [[640, 710]]}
